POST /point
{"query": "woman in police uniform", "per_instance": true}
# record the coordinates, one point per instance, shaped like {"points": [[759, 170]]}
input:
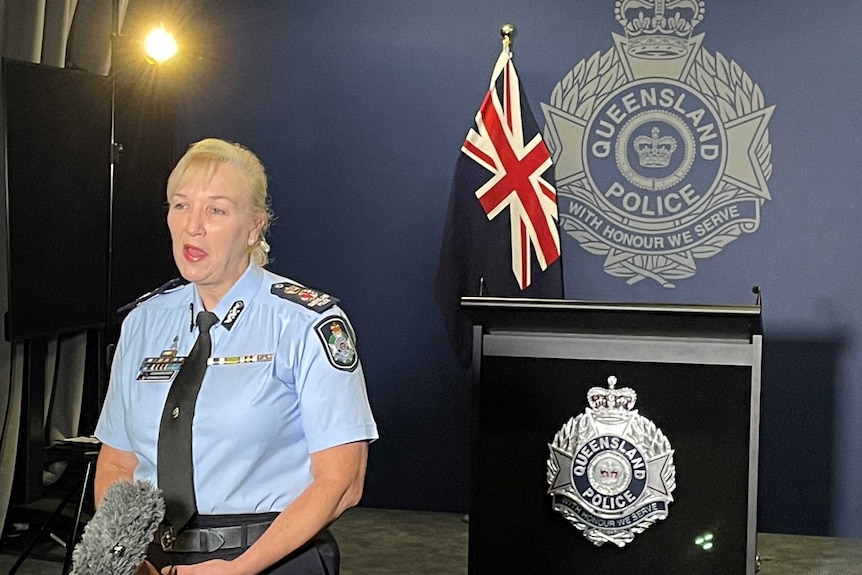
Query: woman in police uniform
{"points": [[281, 424]]}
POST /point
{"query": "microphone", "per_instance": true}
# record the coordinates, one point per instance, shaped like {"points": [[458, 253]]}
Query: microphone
{"points": [[115, 540]]}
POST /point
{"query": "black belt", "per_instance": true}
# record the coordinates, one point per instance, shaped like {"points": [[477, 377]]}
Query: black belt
{"points": [[209, 539]]}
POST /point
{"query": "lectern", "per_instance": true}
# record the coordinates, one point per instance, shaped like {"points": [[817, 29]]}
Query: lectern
{"points": [[654, 473]]}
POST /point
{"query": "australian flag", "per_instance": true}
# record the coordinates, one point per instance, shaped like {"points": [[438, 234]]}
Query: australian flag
{"points": [[501, 228]]}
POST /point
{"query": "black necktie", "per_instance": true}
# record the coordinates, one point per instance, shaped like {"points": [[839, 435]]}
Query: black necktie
{"points": [[175, 468]]}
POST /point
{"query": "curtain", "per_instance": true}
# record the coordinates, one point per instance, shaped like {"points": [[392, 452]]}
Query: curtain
{"points": [[60, 33]]}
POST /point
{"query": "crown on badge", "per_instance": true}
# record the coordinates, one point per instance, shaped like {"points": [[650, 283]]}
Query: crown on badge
{"points": [[654, 151], [612, 399], [658, 28]]}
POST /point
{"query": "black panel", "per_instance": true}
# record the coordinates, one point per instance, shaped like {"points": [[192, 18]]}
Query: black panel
{"points": [[144, 127], [704, 411], [58, 134]]}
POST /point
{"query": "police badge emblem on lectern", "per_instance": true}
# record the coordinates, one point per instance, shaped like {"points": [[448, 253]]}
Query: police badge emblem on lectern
{"points": [[611, 471]]}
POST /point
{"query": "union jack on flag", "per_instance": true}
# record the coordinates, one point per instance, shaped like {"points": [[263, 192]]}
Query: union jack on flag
{"points": [[517, 160], [501, 233]]}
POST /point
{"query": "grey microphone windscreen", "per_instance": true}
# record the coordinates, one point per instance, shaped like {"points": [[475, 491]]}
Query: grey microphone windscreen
{"points": [[115, 540]]}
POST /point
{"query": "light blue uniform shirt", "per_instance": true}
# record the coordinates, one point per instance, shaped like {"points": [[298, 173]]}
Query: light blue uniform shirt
{"points": [[284, 381]]}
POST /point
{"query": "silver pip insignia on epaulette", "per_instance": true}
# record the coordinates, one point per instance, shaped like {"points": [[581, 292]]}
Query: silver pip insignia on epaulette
{"points": [[312, 299]]}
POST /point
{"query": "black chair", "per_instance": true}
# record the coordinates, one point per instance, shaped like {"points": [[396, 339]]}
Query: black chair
{"points": [[81, 454]]}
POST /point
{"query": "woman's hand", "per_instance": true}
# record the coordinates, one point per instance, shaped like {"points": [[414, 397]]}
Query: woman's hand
{"points": [[146, 568], [213, 567]]}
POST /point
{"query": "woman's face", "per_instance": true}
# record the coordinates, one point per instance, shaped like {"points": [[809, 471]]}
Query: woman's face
{"points": [[212, 228]]}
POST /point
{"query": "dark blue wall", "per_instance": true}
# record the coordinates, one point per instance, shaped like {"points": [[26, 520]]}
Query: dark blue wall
{"points": [[358, 110]]}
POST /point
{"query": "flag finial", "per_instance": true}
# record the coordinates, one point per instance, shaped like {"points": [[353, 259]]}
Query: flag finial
{"points": [[507, 31]]}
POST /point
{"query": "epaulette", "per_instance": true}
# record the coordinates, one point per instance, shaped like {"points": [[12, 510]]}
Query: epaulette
{"points": [[158, 291], [312, 299]]}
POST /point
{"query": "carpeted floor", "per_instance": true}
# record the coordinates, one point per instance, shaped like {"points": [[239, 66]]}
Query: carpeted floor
{"points": [[372, 541], [389, 542]]}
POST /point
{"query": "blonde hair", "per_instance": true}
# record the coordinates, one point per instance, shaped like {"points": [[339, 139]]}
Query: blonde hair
{"points": [[206, 155]]}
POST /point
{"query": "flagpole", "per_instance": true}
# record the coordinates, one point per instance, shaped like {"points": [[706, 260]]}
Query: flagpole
{"points": [[507, 31]]}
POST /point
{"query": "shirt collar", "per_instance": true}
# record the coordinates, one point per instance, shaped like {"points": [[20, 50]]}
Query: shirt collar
{"points": [[243, 290]]}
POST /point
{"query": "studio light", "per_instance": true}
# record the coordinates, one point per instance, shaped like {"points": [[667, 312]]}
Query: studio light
{"points": [[160, 45]]}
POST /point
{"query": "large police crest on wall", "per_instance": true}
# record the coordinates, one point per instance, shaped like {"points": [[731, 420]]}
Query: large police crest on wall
{"points": [[610, 472], [661, 148]]}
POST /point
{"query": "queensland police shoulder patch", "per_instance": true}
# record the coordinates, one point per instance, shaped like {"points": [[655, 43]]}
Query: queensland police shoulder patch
{"points": [[611, 471], [338, 342], [312, 299]]}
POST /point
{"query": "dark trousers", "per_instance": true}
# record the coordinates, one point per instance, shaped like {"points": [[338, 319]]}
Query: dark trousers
{"points": [[320, 556]]}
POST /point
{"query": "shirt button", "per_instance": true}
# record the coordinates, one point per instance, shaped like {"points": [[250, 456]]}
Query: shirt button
{"points": [[176, 412]]}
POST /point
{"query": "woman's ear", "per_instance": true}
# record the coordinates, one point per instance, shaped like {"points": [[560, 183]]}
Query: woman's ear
{"points": [[254, 235]]}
